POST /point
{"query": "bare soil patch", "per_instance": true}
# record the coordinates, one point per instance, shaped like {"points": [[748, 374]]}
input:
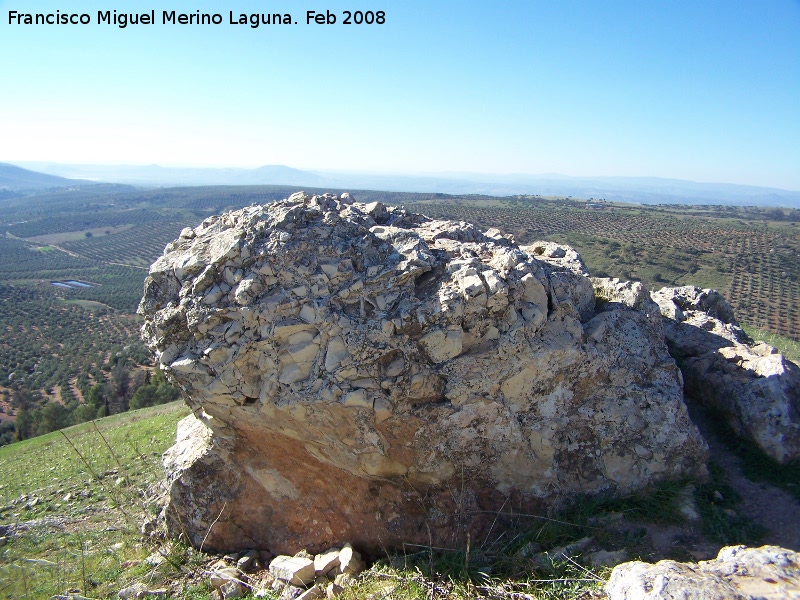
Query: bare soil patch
{"points": [[777, 511], [71, 236]]}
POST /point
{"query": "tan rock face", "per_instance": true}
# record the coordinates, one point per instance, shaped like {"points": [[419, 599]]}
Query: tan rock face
{"points": [[368, 374]]}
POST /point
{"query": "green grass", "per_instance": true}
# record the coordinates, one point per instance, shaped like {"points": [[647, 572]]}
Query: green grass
{"points": [[522, 560], [80, 496], [410, 582], [716, 502], [49, 463], [521, 563], [787, 346]]}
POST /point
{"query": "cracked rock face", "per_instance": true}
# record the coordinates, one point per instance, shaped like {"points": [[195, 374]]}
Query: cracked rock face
{"points": [[362, 373]]}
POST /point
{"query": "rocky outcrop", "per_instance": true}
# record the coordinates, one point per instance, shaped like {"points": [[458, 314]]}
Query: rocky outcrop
{"points": [[358, 372], [697, 321], [753, 386], [738, 573], [558, 256]]}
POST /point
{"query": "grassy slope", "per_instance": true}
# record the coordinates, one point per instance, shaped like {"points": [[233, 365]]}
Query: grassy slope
{"points": [[80, 494]]}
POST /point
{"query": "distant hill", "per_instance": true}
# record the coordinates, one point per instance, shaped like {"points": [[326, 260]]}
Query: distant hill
{"points": [[155, 175], [17, 179], [641, 190]]}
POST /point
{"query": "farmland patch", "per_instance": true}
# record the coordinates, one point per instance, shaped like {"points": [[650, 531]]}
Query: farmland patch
{"points": [[71, 236]]}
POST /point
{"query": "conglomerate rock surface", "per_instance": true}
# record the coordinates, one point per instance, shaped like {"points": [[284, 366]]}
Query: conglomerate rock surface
{"points": [[362, 373], [738, 573]]}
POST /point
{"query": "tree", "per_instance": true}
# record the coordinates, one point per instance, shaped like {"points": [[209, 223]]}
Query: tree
{"points": [[22, 398], [151, 395], [158, 377], [138, 379], [167, 393], [98, 399], [23, 425], [120, 387], [52, 417], [83, 413], [7, 431], [143, 397]]}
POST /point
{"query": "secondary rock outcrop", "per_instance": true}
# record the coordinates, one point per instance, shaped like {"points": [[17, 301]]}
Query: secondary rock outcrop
{"points": [[362, 373], [753, 386], [738, 573]]}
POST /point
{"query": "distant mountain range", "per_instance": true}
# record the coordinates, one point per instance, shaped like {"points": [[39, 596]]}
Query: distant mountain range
{"points": [[155, 175], [16, 179], [644, 190]]}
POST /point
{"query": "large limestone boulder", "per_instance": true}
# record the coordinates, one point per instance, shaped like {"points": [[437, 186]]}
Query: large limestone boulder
{"points": [[753, 386], [738, 573], [362, 373]]}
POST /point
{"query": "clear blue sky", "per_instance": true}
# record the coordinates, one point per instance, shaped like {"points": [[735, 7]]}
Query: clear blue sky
{"points": [[708, 91]]}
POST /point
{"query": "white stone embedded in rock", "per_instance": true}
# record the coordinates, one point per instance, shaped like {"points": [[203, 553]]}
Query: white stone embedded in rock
{"points": [[383, 409], [472, 286], [442, 345], [186, 365], [533, 290], [335, 354], [357, 399]]}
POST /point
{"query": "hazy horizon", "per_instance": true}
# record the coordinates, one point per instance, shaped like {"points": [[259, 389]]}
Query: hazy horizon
{"points": [[455, 175]]}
